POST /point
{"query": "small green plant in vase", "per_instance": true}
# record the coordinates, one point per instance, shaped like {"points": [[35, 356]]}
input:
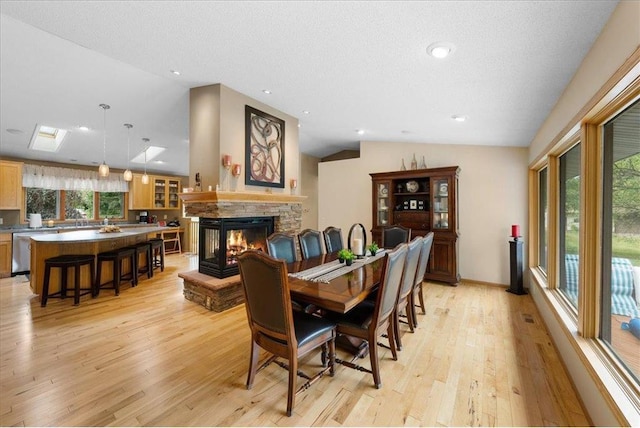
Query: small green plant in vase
{"points": [[346, 255], [373, 248]]}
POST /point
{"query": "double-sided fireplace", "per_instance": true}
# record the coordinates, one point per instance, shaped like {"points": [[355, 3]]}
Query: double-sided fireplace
{"points": [[223, 239]]}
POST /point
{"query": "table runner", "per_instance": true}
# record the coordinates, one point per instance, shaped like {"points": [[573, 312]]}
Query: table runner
{"points": [[328, 271]]}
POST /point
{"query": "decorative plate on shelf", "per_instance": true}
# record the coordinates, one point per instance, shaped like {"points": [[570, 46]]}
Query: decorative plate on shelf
{"points": [[412, 186], [384, 191]]}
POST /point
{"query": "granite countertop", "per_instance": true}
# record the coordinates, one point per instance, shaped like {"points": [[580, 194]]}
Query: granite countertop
{"points": [[66, 228], [95, 234]]}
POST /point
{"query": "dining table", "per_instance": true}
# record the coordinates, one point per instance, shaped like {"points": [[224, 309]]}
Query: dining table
{"points": [[329, 284], [333, 286]]}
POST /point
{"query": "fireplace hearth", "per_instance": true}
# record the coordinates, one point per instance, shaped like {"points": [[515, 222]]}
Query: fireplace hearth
{"points": [[223, 239]]}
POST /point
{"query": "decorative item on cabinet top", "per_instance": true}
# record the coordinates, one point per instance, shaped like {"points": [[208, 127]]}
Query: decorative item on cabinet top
{"points": [[412, 186]]}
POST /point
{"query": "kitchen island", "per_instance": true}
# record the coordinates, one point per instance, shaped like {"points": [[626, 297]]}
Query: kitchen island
{"points": [[82, 242]]}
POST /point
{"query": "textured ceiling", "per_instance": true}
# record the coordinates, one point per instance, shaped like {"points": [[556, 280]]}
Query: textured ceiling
{"points": [[352, 65]]}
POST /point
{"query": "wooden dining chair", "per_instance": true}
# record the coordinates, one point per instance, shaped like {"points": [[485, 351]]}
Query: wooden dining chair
{"points": [[406, 287], [333, 239], [394, 235], [282, 246], [368, 319], [276, 328], [310, 243], [427, 244]]}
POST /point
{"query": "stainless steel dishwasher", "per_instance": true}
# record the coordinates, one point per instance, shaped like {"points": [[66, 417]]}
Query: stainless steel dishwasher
{"points": [[20, 263]]}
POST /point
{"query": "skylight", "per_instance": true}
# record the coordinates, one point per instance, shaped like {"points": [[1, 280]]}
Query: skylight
{"points": [[47, 138], [152, 152]]}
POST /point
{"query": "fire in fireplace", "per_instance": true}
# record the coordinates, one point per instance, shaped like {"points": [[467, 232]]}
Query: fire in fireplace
{"points": [[223, 239]]}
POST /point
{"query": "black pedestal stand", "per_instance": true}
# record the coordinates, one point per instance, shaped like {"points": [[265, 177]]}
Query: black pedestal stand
{"points": [[515, 252]]}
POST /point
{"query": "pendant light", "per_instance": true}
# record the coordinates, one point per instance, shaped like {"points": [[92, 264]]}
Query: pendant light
{"points": [[103, 170], [145, 177], [128, 175]]}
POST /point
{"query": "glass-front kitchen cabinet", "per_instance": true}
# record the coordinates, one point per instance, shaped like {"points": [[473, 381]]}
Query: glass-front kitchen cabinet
{"points": [[424, 200]]}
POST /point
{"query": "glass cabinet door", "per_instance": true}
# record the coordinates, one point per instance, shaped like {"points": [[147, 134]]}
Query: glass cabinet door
{"points": [[159, 193], [440, 206], [383, 203], [173, 201]]}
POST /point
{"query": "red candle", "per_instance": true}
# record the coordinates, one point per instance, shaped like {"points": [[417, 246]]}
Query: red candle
{"points": [[515, 230]]}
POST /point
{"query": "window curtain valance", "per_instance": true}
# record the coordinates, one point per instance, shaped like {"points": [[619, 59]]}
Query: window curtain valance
{"points": [[55, 178]]}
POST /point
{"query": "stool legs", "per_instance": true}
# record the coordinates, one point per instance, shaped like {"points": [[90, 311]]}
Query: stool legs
{"points": [[64, 263], [45, 286]]}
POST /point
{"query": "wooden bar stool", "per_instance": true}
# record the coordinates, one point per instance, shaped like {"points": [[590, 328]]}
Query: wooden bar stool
{"points": [[116, 257], [64, 263], [142, 248], [157, 253]]}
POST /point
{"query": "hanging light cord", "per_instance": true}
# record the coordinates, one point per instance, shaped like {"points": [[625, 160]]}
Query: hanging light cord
{"points": [[105, 107]]}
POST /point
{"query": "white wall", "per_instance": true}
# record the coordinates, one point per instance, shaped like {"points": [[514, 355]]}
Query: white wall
{"points": [[492, 197], [308, 186]]}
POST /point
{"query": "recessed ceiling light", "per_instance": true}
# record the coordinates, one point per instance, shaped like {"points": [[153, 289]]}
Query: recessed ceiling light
{"points": [[440, 49], [159, 161], [459, 118], [404, 131], [15, 131], [73, 160], [266, 91], [360, 131], [306, 111], [299, 125], [176, 72], [83, 128]]}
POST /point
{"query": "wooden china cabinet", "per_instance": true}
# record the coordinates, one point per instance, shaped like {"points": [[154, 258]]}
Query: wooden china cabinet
{"points": [[425, 200]]}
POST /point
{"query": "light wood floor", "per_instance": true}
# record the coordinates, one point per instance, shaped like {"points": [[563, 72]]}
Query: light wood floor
{"points": [[149, 357]]}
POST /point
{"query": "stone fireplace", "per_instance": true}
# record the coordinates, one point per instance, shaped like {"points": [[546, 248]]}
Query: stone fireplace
{"points": [[219, 294]]}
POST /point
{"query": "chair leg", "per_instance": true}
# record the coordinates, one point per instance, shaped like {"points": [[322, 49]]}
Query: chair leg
{"points": [[253, 364], [392, 344], [332, 356], [293, 379], [395, 318], [412, 306], [323, 355], [409, 313], [373, 357], [421, 296]]}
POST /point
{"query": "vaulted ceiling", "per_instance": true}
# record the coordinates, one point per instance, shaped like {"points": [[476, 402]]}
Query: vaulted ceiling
{"points": [[351, 65]]}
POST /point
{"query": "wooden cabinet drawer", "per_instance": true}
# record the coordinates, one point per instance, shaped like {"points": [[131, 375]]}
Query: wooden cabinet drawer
{"points": [[414, 220]]}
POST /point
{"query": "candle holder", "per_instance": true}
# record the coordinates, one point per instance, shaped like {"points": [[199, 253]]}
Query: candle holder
{"points": [[357, 240], [236, 170], [226, 164], [293, 184]]}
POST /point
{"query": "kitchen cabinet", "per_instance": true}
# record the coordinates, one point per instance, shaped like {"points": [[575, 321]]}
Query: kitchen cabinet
{"points": [[424, 200], [140, 194], [165, 193], [10, 185], [5, 255], [160, 194]]}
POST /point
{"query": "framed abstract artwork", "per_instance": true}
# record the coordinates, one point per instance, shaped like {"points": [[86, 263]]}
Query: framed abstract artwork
{"points": [[264, 149]]}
